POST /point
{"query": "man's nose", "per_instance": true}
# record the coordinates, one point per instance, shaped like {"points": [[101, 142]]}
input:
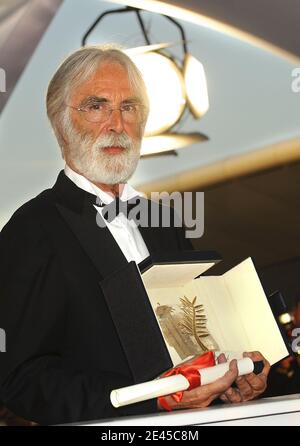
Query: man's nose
{"points": [[115, 121]]}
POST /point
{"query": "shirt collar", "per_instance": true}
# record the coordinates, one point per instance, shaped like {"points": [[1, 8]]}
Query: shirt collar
{"points": [[83, 183]]}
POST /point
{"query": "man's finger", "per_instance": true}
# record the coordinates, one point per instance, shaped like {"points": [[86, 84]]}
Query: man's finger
{"points": [[221, 385], [224, 398], [233, 395], [221, 359], [245, 389], [257, 382]]}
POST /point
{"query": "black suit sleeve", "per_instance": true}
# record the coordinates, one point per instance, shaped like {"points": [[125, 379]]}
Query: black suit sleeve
{"points": [[35, 381]]}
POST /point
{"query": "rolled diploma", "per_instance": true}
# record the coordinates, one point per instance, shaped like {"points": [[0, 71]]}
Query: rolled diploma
{"points": [[172, 384]]}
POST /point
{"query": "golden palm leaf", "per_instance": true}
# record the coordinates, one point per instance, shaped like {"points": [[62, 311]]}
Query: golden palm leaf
{"points": [[194, 320]]}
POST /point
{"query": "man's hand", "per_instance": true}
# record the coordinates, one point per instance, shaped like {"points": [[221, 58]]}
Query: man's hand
{"points": [[249, 386], [202, 396]]}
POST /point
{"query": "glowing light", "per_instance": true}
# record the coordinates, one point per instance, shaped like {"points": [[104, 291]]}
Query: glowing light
{"points": [[168, 142], [196, 86], [166, 91], [285, 318]]}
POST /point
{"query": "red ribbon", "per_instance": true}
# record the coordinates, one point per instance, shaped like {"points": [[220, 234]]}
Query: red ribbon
{"points": [[191, 372]]}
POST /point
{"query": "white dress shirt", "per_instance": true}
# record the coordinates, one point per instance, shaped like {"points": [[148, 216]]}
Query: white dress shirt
{"points": [[124, 231]]}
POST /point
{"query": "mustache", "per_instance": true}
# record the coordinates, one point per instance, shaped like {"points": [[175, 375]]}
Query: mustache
{"points": [[122, 140]]}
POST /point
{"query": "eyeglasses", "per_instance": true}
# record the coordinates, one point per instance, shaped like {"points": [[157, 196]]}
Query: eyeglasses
{"points": [[101, 112]]}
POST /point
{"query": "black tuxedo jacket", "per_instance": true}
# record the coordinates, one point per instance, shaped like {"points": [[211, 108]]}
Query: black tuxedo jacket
{"points": [[64, 351]]}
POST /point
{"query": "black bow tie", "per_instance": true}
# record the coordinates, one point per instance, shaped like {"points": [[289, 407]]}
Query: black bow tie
{"points": [[116, 207]]}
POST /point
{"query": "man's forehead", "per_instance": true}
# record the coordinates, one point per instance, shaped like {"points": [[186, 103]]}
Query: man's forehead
{"points": [[109, 76], [109, 79]]}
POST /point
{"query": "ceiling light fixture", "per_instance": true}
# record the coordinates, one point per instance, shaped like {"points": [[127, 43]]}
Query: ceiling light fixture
{"points": [[172, 89]]}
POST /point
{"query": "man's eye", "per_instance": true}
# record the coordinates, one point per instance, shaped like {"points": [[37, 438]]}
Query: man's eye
{"points": [[95, 107], [129, 108]]}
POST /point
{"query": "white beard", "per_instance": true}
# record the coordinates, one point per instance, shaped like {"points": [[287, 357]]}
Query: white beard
{"points": [[91, 161]]}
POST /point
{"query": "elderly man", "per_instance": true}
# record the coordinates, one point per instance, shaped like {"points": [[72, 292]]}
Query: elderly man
{"points": [[64, 354]]}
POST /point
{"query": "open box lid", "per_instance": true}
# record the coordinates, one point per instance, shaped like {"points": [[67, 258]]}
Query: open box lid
{"points": [[173, 269]]}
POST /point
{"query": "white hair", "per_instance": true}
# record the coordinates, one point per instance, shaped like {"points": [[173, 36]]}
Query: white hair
{"points": [[79, 67]]}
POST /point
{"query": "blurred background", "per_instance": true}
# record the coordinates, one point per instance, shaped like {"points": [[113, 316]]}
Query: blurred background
{"points": [[238, 140]]}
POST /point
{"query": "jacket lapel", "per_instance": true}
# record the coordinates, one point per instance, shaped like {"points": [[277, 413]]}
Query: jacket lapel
{"points": [[98, 243], [76, 208]]}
